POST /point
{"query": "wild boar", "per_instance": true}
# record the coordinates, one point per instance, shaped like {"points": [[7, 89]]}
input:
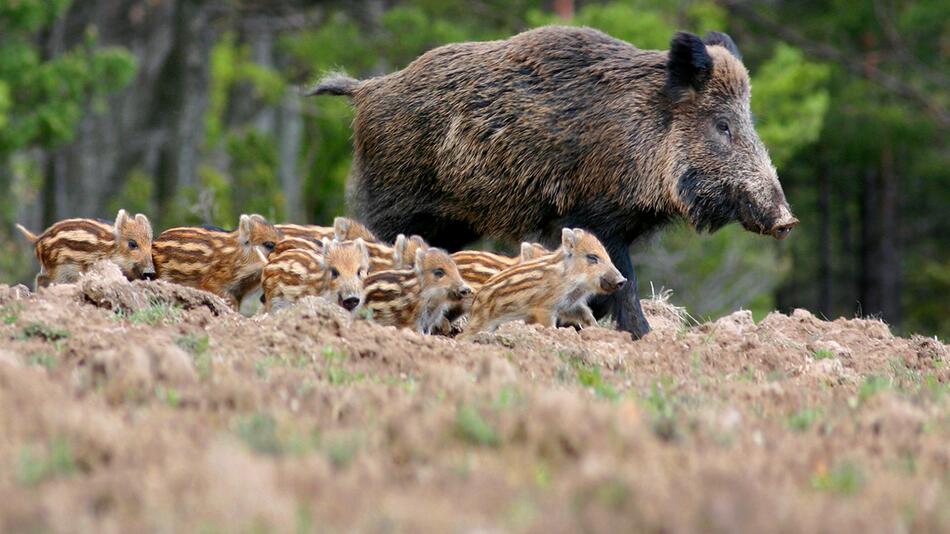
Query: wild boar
{"points": [[562, 127]]}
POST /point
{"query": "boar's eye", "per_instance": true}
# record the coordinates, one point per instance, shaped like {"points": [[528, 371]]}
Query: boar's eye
{"points": [[723, 127], [334, 273], [438, 272], [269, 245], [132, 244], [593, 259]]}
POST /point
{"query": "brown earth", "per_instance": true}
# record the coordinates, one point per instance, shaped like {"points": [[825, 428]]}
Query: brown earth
{"points": [[148, 407]]}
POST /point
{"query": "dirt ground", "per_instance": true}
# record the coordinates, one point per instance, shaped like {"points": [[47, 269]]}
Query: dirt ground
{"points": [[147, 407]]}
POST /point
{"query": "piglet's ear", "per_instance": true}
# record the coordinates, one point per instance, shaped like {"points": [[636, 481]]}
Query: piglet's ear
{"points": [[399, 250], [244, 229], [420, 256], [325, 245], [341, 228], [363, 251], [688, 67], [568, 239], [120, 221], [143, 220]]}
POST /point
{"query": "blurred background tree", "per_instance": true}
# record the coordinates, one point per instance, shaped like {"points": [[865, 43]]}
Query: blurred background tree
{"points": [[188, 110]]}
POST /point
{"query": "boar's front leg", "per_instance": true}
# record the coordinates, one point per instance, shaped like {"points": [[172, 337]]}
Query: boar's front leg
{"points": [[624, 305]]}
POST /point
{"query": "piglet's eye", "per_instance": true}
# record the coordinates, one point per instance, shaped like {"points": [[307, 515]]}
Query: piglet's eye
{"points": [[592, 259], [132, 244], [334, 273], [438, 272], [269, 245]]}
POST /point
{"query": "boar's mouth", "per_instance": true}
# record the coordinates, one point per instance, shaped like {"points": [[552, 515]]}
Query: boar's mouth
{"points": [[710, 206]]}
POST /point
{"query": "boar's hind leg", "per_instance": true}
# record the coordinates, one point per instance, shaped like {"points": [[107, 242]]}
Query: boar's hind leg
{"points": [[624, 305]]}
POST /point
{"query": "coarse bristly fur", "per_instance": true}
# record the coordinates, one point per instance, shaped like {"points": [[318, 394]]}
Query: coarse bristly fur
{"points": [[225, 263], [335, 272], [70, 247], [562, 127], [416, 298], [538, 291]]}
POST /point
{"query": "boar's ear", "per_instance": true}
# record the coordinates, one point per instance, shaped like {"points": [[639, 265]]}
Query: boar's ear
{"points": [[120, 221], [363, 251], [568, 239], [420, 256], [723, 40], [341, 228], [244, 229], [143, 220], [399, 250], [688, 66]]}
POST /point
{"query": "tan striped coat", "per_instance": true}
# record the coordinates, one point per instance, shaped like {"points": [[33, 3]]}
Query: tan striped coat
{"points": [[334, 272], [70, 247], [538, 291], [416, 298], [225, 263]]}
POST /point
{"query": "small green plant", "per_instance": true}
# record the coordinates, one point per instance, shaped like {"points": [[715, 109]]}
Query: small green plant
{"points": [[341, 451], [262, 366], [662, 409], [42, 358], [169, 396], [472, 427], [587, 375], [803, 419], [10, 313], [197, 345], [259, 432], [336, 373], [872, 385], [58, 461], [43, 331], [157, 312], [822, 354], [844, 479]]}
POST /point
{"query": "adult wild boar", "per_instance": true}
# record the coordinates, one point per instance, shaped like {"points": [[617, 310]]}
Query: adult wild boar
{"points": [[562, 127]]}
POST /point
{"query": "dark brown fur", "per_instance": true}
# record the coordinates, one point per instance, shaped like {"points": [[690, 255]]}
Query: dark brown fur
{"points": [[562, 127]]}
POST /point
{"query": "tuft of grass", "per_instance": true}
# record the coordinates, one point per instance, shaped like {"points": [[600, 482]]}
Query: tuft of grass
{"points": [[42, 331], [169, 396], [341, 451], [844, 479], [589, 376], [472, 427], [822, 354], [58, 461], [872, 385], [10, 313], [662, 409], [197, 345], [336, 373], [44, 359], [803, 419], [259, 432], [157, 312], [262, 366]]}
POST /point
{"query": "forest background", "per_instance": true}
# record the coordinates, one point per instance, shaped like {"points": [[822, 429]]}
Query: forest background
{"points": [[188, 111]]}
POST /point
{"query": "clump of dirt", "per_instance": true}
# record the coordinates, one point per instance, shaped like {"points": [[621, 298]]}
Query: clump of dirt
{"points": [[146, 406]]}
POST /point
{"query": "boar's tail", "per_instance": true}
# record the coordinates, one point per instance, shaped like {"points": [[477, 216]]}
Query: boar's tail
{"points": [[29, 235], [334, 84]]}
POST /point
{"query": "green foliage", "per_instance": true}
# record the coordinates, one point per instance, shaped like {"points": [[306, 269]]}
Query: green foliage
{"points": [[259, 432], [844, 479], [473, 428], [157, 312], [137, 194], [790, 101], [803, 419], [55, 461], [43, 359], [822, 354], [43, 331]]}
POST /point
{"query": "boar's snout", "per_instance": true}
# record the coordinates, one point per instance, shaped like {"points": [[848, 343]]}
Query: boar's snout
{"points": [[612, 283], [350, 303], [783, 225]]}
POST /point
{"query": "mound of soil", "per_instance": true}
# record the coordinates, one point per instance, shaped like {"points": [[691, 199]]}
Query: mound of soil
{"points": [[147, 406]]}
